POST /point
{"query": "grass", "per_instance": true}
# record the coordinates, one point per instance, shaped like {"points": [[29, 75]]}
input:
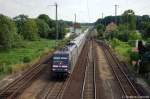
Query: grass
{"points": [[122, 48], [16, 58]]}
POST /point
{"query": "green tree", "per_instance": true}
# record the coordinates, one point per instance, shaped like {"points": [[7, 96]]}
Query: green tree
{"points": [[30, 30], [44, 17], [20, 20], [147, 30], [8, 31], [43, 28], [130, 19], [51, 23], [61, 29], [100, 29], [47, 19]]}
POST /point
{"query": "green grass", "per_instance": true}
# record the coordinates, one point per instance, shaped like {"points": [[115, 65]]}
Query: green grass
{"points": [[30, 49], [122, 48], [29, 52]]}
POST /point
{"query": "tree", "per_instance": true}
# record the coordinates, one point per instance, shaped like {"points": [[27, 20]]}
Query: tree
{"points": [[44, 17], [30, 30], [61, 29], [47, 19], [130, 19], [100, 29], [8, 31], [20, 20], [43, 28], [148, 30]]}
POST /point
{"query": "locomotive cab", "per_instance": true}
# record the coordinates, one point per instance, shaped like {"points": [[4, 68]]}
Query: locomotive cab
{"points": [[60, 65]]}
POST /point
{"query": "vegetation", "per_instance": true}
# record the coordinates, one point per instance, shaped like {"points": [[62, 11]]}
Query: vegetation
{"points": [[100, 30], [23, 40], [43, 28], [123, 48], [122, 35], [30, 51], [8, 32], [30, 30]]}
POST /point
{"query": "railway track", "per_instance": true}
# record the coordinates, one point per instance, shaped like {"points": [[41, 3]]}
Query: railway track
{"points": [[54, 89], [89, 85], [15, 88], [73, 89], [126, 85], [54, 92]]}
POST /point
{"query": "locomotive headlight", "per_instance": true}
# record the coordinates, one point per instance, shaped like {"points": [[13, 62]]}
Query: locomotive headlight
{"points": [[54, 69]]}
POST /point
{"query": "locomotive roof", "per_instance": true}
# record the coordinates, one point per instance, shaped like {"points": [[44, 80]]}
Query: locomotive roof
{"points": [[71, 45]]}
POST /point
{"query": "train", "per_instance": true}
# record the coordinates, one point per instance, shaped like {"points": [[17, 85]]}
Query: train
{"points": [[64, 59]]}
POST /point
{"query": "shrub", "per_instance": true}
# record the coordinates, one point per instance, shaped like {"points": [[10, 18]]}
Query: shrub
{"points": [[26, 59], [134, 56]]}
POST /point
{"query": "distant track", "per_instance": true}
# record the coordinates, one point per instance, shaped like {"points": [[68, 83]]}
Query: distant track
{"points": [[16, 87], [89, 84]]}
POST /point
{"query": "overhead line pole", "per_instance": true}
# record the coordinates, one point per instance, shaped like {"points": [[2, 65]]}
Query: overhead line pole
{"points": [[102, 15], [116, 6], [75, 23], [57, 35], [56, 23]]}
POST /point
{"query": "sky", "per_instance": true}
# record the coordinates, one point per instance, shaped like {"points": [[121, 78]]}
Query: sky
{"points": [[85, 10]]}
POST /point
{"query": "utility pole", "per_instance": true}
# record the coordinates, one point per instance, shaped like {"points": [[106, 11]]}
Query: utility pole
{"points": [[75, 23], [57, 35], [56, 22], [116, 6], [102, 15]]}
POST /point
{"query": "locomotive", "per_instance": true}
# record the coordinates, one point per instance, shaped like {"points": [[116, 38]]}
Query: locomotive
{"points": [[64, 60]]}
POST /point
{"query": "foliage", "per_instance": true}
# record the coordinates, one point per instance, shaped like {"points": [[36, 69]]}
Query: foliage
{"points": [[61, 29], [43, 28], [26, 59], [100, 29], [123, 48], [134, 56], [30, 30], [31, 50], [47, 19], [130, 19], [8, 32], [20, 20], [134, 35], [148, 30], [44, 17]]}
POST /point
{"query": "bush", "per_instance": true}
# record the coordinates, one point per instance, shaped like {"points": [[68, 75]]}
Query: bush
{"points": [[26, 59], [134, 56], [135, 36]]}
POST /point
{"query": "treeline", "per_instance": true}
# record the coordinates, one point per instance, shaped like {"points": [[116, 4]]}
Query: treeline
{"points": [[14, 30], [130, 21]]}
